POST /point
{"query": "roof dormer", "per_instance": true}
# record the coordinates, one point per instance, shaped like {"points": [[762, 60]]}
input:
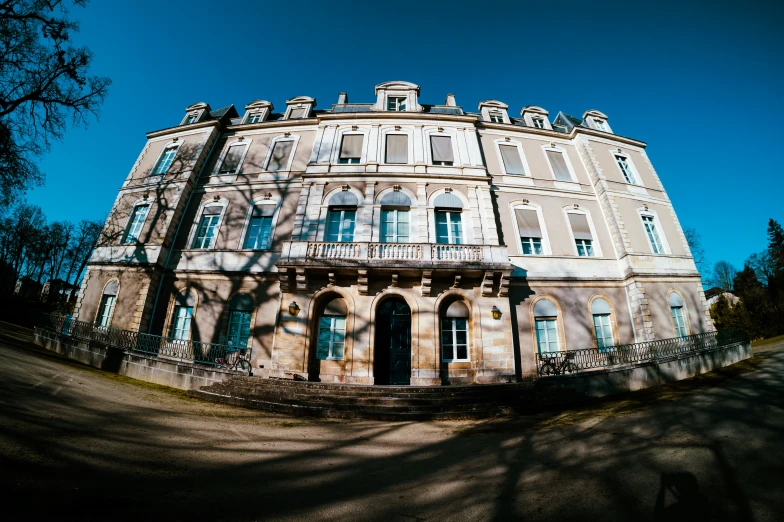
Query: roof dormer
{"points": [[397, 96], [494, 111], [257, 111], [536, 117], [196, 113], [596, 120], [299, 108]]}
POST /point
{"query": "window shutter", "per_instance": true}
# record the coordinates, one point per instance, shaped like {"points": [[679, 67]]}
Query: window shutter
{"points": [[558, 163], [512, 160], [351, 148], [280, 155], [580, 228], [397, 148], [232, 159], [442, 148], [528, 223]]}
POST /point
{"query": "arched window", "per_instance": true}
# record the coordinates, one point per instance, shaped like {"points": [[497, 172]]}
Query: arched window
{"points": [[106, 310], [676, 310], [449, 223], [240, 311], [135, 224], [546, 319], [454, 332], [395, 218], [182, 316], [332, 330], [601, 311], [341, 217]]}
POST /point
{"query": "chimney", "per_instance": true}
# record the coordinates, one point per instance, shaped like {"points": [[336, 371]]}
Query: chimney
{"points": [[450, 100], [342, 98]]}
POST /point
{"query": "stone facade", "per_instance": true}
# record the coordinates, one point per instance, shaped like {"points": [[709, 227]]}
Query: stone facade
{"points": [[312, 214]]}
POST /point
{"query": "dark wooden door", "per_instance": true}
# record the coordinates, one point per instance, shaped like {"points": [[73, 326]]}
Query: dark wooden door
{"points": [[393, 343]]}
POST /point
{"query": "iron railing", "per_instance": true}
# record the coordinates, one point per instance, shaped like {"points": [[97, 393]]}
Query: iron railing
{"points": [[572, 361], [210, 354]]}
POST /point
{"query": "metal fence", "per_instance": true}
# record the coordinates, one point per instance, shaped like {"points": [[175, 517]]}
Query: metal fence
{"points": [[572, 361], [211, 354]]}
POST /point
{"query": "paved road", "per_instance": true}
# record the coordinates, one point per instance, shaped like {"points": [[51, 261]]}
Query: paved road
{"points": [[79, 444]]}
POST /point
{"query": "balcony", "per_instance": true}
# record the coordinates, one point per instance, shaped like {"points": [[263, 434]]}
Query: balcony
{"points": [[393, 255]]}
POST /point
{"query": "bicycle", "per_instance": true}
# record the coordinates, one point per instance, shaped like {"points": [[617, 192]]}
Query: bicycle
{"points": [[553, 365], [234, 360]]}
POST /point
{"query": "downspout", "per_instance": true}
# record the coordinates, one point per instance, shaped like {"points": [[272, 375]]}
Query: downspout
{"points": [[177, 233]]}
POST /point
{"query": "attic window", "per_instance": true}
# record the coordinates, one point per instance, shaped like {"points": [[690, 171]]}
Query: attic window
{"points": [[561, 128], [600, 125], [396, 103], [538, 123], [496, 117], [297, 113], [192, 118], [255, 117]]}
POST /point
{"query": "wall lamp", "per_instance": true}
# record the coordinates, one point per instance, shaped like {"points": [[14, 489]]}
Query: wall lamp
{"points": [[496, 313], [294, 308]]}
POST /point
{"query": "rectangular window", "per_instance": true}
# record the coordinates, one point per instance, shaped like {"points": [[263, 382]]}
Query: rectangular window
{"points": [[281, 154], [106, 310], [297, 113], [239, 328], [255, 117], [496, 117], [538, 123], [394, 226], [454, 339], [441, 147], [530, 231], [351, 148], [260, 228], [181, 323], [449, 228], [623, 164], [135, 224], [582, 234], [340, 225], [547, 335], [397, 148], [677, 320], [603, 330], [600, 125], [208, 228], [396, 103], [231, 161], [558, 164], [513, 162], [165, 160], [331, 337], [192, 118], [653, 235]]}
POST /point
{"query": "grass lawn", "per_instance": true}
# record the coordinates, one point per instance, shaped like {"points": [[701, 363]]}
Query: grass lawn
{"points": [[771, 340]]}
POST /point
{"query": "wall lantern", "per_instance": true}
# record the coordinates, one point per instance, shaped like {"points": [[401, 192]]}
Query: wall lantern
{"points": [[496, 313], [294, 308]]}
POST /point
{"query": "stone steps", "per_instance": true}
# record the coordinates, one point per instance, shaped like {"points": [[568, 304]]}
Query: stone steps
{"points": [[351, 401]]}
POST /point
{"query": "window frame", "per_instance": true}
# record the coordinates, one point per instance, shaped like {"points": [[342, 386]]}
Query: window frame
{"points": [[409, 147], [330, 352], [173, 326], [495, 116], [659, 232], [396, 222], [454, 331], [225, 153], [397, 103], [197, 224], [452, 142], [559, 323], [130, 222], [597, 250], [362, 156], [102, 306], [546, 250], [538, 123], [568, 162], [629, 164], [342, 210], [498, 143], [449, 212], [246, 227], [169, 146], [271, 148]]}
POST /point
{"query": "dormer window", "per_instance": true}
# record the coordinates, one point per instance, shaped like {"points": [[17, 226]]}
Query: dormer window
{"points": [[192, 118], [255, 117], [396, 103], [538, 123], [496, 117], [298, 113], [600, 125]]}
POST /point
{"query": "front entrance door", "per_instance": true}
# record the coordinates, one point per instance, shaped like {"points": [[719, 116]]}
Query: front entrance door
{"points": [[393, 343]]}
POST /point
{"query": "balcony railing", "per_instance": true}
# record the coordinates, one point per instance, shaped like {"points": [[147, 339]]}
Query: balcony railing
{"points": [[572, 361], [302, 251], [198, 352]]}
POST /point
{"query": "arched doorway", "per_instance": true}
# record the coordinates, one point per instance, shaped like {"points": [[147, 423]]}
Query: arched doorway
{"points": [[392, 357]]}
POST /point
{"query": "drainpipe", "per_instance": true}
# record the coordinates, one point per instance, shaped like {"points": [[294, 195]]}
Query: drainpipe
{"points": [[177, 233]]}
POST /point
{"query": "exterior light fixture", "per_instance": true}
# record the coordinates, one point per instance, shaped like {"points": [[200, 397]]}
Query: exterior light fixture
{"points": [[294, 308], [496, 313]]}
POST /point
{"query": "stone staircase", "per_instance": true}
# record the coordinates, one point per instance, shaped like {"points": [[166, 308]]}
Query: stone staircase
{"points": [[352, 401]]}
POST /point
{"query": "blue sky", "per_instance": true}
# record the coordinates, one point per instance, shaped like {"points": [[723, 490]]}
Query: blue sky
{"points": [[701, 85]]}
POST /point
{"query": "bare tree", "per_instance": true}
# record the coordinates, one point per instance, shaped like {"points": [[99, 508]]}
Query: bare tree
{"points": [[697, 251], [724, 275], [44, 86]]}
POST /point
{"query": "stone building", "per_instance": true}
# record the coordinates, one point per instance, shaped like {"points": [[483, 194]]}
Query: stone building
{"points": [[392, 241]]}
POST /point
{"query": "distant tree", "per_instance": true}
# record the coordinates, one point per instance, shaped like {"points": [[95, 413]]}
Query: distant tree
{"points": [[776, 276], [723, 275], [44, 87], [776, 244], [762, 265], [697, 251]]}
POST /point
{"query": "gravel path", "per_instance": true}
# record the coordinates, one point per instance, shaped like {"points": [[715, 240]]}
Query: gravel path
{"points": [[80, 444]]}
